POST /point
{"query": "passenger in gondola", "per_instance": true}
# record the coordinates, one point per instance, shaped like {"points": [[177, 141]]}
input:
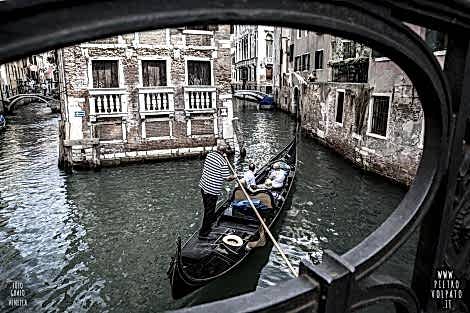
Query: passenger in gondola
{"points": [[268, 185], [249, 176], [277, 176], [214, 174]]}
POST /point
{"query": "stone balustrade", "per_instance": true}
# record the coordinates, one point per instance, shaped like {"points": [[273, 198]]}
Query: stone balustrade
{"points": [[200, 98], [156, 99], [108, 101]]}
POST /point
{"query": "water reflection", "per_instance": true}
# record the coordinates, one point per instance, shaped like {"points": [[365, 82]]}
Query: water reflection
{"points": [[101, 241]]}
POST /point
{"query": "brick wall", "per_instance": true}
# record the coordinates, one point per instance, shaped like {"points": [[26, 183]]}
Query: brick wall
{"points": [[202, 127], [157, 128], [77, 58], [154, 37], [109, 129], [198, 40]]}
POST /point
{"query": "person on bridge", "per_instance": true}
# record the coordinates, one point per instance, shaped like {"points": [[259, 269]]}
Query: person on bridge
{"points": [[31, 86], [44, 88], [214, 173]]}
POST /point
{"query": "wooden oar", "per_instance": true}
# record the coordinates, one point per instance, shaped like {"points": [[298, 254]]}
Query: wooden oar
{"points": [[262, 221]]}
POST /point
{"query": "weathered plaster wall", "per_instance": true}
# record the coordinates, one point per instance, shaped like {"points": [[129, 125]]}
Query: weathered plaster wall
{"points": [[396, 157]]}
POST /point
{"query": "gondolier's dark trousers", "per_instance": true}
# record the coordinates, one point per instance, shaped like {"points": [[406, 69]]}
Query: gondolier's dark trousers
{"points": [[210, 201]]}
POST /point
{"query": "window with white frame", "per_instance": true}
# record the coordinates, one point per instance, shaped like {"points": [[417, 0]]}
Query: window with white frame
{"points": [[154, 73], [199, 72], [105, 73], [269, 46], [339, 106], [378, 119]]}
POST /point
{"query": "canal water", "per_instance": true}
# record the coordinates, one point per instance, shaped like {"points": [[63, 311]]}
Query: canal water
{"points": [[101, 241]]}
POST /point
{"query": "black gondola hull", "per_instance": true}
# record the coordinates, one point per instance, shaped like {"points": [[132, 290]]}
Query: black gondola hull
{"points": [[183, 281]]}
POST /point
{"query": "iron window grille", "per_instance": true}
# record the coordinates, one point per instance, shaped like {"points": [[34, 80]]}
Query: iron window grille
{"points": [[379, 118]]}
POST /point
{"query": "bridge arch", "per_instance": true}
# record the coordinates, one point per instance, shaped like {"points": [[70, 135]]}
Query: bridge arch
{"points": [[13, 101], [252, 94]]}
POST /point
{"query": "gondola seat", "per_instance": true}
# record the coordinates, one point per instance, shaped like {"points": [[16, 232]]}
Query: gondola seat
{"points": [[261, 198], [262, 194]]}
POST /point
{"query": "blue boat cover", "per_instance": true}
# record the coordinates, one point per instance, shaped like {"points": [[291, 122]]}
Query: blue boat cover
{"points": [[267, 100]]}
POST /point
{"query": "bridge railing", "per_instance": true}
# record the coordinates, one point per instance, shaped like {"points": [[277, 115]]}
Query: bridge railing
{"points": [[112, 101], [200, 98], [156, 99]]}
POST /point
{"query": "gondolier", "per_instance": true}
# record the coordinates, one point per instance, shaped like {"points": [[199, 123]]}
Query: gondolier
{"points": [[235, 230], [214, 174]]}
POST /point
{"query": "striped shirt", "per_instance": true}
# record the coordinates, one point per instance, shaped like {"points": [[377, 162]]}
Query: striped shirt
{"points": [[214, 173]]}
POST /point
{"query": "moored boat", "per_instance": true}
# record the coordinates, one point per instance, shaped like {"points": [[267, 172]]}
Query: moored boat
{"points": [[3, 123], [267, 103], [201, 260]]}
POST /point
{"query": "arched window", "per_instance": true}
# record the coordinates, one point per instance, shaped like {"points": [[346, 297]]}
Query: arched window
{"points": [[269, 45]]}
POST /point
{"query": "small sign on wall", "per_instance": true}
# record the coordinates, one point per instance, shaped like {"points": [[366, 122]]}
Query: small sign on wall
{"points": [[79, 113], [223, 111]]}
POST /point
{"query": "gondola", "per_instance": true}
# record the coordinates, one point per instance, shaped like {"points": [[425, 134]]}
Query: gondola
{"points": [[201, 260]]}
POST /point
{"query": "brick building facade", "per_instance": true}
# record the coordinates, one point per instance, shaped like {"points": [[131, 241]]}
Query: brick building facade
{"points": [[354, 100], [148, 95]]}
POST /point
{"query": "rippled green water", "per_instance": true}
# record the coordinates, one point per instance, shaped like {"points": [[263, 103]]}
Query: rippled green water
{"points": [[101, 241]]}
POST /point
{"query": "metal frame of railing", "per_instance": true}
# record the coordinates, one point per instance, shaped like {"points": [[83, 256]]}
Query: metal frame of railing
{"points": [[437, 201]]}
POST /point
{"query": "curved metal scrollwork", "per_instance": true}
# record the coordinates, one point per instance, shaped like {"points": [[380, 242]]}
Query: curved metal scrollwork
{"points": [[379, 288], [458, 252]]}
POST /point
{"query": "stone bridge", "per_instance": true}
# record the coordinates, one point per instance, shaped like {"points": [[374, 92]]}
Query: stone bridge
{"points": [[21, 99], [250, 94]]}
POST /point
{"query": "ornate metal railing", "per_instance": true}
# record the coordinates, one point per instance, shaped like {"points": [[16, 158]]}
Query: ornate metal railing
{"points": [[438, 201], [350, 71]]}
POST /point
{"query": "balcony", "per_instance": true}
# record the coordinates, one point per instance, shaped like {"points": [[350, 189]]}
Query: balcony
{"points": [[200, 99], [156, 100], [108, 101], [350, 70]]}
